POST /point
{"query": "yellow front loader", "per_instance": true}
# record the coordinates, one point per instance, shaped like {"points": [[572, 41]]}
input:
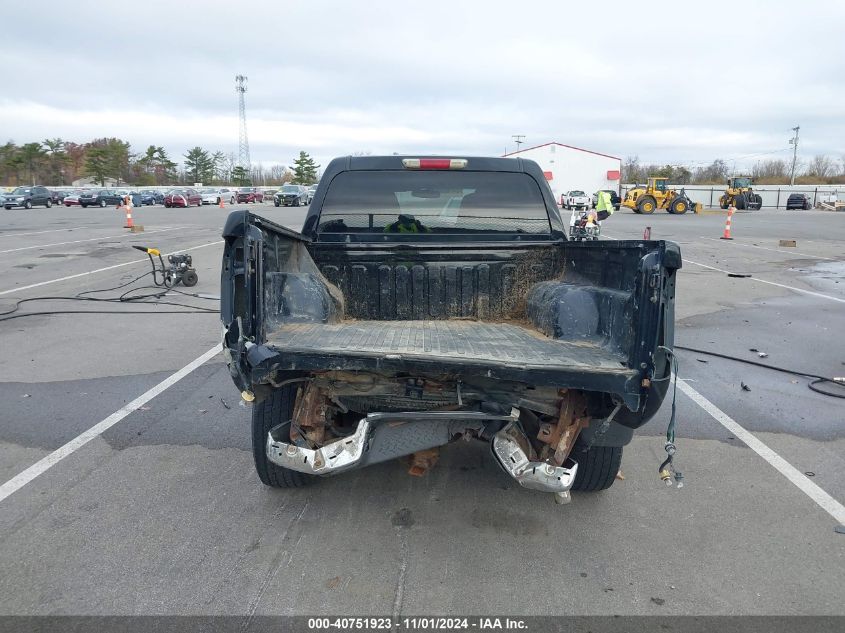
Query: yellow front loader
{"points": [[739, 194], [655, 195]]}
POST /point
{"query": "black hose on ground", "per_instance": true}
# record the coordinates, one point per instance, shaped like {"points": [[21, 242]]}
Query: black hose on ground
{"points": [[812, 385]]}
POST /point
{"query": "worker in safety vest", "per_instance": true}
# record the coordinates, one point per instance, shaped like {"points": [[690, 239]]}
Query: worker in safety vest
{"points": [[406, 224], [604, 206]]}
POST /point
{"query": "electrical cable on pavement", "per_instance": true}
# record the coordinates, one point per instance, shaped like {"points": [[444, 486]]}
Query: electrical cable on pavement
{"points": [[154, 299], [818, 379], [667, 469]]}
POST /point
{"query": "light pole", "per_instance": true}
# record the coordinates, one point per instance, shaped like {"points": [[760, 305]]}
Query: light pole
{"points": [[794, 142], [517, 138]]}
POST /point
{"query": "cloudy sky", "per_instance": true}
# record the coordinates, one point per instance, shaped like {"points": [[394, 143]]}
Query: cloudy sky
{"points": [[727, 80]]}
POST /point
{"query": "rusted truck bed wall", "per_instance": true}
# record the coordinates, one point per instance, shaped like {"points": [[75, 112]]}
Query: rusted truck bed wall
{"points": [[572, 292], [437, 283]]}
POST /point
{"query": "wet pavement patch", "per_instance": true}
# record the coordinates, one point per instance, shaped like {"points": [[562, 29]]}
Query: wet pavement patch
{"points": [[403, 518]]}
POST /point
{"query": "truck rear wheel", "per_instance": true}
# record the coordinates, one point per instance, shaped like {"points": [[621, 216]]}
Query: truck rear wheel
{"points": [[270, 412], [597, 466]]}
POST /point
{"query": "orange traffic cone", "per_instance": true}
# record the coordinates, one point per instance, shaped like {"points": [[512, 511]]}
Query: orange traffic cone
{"points": [[127, 207], [727, 233], [222, 206]]}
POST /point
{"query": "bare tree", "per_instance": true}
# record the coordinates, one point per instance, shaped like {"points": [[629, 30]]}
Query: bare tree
{"points": [[631, 170], [714, 173], [821, 166], [772, 169]]}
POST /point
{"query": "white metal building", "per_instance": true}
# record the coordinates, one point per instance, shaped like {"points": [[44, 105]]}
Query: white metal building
{"points": [[569, 168]]}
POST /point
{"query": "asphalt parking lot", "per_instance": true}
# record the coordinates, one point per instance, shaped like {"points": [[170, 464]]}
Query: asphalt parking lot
{"points": [[162, 513]]}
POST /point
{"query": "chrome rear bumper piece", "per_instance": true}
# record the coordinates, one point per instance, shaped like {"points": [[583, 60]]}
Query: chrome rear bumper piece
{"points": [[378, 437], [508, 449]]}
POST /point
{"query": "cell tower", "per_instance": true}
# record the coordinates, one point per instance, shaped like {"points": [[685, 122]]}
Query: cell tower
{"points": [[243, 140]]}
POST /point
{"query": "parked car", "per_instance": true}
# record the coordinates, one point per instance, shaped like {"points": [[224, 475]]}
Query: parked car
{"points": [[28, 197], [150, 197], [250, 194], [575, 199], [553, 364], [135, 195], [228, 194], [614, 198], [100, 198], [71, 199], [291, 196], [183, 198], [210, 195], [57, 196], [798, 201], [311, 191]]}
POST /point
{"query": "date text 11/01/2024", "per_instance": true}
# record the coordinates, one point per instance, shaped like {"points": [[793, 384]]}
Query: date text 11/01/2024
{"points": [[417, 623]]}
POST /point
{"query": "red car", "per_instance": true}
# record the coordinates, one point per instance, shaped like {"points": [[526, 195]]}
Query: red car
{"points": [[250, 194], [183, 198], [71, 199]]}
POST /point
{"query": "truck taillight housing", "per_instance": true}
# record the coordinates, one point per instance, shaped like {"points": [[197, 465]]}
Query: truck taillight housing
{"points": [[434, 163]]}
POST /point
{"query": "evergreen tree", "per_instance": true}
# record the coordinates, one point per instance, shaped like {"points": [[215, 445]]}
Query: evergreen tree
{"points": [[199, 165], [304, 170]]}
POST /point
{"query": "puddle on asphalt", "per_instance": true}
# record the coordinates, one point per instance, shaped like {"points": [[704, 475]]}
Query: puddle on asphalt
{"points": [[828, 276]]}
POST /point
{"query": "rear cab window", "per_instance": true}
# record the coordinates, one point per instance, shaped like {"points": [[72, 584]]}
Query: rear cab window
{"points": [[375, 204]]}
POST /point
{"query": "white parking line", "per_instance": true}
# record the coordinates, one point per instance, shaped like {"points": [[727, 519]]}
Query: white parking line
{"points": [[43, 465], [771, 283], [765, 248], [76, 228], [822, 499], [93, 239], [757, 279], [100, 270]]}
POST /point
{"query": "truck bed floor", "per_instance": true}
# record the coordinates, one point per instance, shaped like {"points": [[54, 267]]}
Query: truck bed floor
{"points": [[447, 341]]}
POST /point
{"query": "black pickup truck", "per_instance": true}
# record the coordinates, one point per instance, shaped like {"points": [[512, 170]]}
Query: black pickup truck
{"points": [[432, 299]]}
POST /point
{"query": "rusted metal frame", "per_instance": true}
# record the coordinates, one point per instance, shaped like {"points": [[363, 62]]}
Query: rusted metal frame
{"points": [[572, 419]]}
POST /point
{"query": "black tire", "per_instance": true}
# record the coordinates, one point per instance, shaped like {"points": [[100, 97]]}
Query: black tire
{"points": [[597, 467], [190, 278], [739, 201], [219, 199], [679, 206], [758, 201], [102, 204], [646, 205], [49, 203], [232, 200], [276, 202], [296, 204], [27, 204], [273, 410], [84, 206], [166, 205]]}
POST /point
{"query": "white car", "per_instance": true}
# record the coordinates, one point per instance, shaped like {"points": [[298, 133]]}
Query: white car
{"points": [[211, 195], [575, 199]]}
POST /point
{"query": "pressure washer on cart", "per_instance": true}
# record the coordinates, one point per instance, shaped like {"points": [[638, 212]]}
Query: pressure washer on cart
{"points": [[179, 270]]}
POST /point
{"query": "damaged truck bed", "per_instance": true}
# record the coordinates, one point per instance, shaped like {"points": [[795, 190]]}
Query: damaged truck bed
{"points": [[431, 299]]}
